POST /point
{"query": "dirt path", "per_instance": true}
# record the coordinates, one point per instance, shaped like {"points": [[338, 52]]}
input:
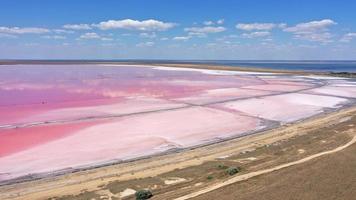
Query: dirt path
{"points": [[261, 172]]}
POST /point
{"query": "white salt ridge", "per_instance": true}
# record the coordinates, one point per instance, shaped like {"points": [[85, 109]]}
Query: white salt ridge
{"points": [[335, 91], [324, 77], [267, 108], [212, 72], [286, 107], [313, 100], [343, 85]]}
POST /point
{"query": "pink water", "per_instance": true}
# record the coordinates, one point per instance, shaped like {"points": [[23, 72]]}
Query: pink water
{"points": [[55, 117]]}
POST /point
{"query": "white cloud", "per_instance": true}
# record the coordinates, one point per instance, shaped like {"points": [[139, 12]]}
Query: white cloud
{"points": [[55, 37], [145, 25], [220, 21], [208, 23], [148, 35], [90, 36], [164, 38], [257, 34], [323, 37], [206, 29], [256, 26], [29, 30], [145, 44], [282, 25], [315, 31], [196, 34], [267, 39], [312, 26], [77, 26], [181, 38], [60, 31], [348, 37]]}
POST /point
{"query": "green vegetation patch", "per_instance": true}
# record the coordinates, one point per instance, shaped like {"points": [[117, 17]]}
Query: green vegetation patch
{"points": [[143, 194]]}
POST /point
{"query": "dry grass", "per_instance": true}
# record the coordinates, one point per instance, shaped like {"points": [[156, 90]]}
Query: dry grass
{"points": [[264, 157]]}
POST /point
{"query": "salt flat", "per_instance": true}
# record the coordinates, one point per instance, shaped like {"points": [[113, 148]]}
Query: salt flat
{"points": [[55, 117]]}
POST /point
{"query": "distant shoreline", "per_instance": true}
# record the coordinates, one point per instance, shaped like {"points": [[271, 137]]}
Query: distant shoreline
{"points": [[190, 64]]}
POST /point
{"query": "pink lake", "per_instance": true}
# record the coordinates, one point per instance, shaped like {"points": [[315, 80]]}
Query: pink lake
{"points": [[58, 117]]}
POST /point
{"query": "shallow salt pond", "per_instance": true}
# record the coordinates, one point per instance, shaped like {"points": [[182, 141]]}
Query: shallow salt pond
{"points": [[55, 117]]}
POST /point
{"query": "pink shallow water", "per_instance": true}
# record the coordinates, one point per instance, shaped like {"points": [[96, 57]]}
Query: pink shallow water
{"points": [[106, 109], [61, 116], [129, 137], [16, 140], [48, 88], [22, 114]]}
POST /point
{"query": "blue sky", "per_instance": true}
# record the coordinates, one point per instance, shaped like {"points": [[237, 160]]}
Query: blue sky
{"points": [[172, 29]]}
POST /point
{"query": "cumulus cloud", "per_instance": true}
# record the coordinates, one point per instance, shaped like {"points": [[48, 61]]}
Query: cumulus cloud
{"points": [[196, 34], [208, 23], [256, 26], [220, 21], [348, 37], [206, 29], [312, 26], [90, 36], [315, 37], [316, 31], [54, 37], [60, 31], [257, 34], [77, 26], [129, 24], [28, 30], [181, 38]]}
